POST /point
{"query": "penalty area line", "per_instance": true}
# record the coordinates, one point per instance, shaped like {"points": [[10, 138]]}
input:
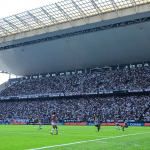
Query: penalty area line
{"points": [[87, 141]]}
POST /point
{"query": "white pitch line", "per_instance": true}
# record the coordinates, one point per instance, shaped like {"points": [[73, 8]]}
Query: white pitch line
{"points": [[85, 141]]}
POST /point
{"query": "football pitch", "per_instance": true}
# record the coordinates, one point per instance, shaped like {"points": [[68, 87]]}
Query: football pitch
{"points": [[29, 137]]}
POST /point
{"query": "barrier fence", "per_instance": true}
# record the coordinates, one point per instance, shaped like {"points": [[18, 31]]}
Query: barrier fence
{"points": [[77, 123]]}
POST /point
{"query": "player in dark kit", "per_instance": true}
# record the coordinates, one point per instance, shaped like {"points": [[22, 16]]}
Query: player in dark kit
{"points": [[125, 125], [96, 123], [53, 122]]}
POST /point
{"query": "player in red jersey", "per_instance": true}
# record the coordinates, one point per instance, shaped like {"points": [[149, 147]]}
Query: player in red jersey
{"points": [[53, 122], [117, 124], [125, 124], [40, 124]]}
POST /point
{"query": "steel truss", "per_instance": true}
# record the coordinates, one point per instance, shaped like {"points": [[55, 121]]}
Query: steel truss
{"points": [[61, 12], [86, 31]]}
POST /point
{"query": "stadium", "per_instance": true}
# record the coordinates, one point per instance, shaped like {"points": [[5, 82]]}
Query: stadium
{"points": [[81, 76]]}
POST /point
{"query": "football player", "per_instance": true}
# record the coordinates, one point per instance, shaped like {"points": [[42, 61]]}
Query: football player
{"points": [[125, 125], [53, 122], [39, 122], [117, 124], [96, 123]]}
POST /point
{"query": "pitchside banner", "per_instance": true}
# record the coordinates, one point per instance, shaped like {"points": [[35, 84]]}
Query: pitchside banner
{"points": [[77, 123], [44, 123], [19, 123], [146, 124], [4, 123], [15, 123], [90, 124], [135, 124], [111, 124], [121, 124]]}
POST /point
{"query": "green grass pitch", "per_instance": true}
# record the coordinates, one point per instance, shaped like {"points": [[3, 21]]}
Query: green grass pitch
{"points": [[27, 137]]}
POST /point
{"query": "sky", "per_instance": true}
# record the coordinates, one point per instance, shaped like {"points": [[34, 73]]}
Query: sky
{"points": [[13, 7], [3, 78]]}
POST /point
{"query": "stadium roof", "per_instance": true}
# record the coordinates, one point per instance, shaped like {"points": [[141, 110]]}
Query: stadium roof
{"points": [[61, 12], [121, 38], [116, 44]]}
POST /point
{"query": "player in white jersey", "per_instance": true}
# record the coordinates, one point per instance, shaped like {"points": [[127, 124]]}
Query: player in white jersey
{"points": [[39, 122], [53, 122], [33, 121], [96, 123]]}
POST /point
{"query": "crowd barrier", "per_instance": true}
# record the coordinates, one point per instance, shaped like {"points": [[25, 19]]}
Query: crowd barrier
{"points": [[77, 123]]}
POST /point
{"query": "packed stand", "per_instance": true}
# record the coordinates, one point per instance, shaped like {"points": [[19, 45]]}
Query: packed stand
{"points": [[137, 78], [78, 109], [58, 84]]}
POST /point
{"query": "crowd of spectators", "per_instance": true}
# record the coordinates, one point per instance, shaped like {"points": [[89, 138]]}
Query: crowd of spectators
{"points": [[134, 78], [57, 84], [78, 109]]}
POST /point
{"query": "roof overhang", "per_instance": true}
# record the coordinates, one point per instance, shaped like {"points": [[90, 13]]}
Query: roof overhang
{"points": [[115, 46]]}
